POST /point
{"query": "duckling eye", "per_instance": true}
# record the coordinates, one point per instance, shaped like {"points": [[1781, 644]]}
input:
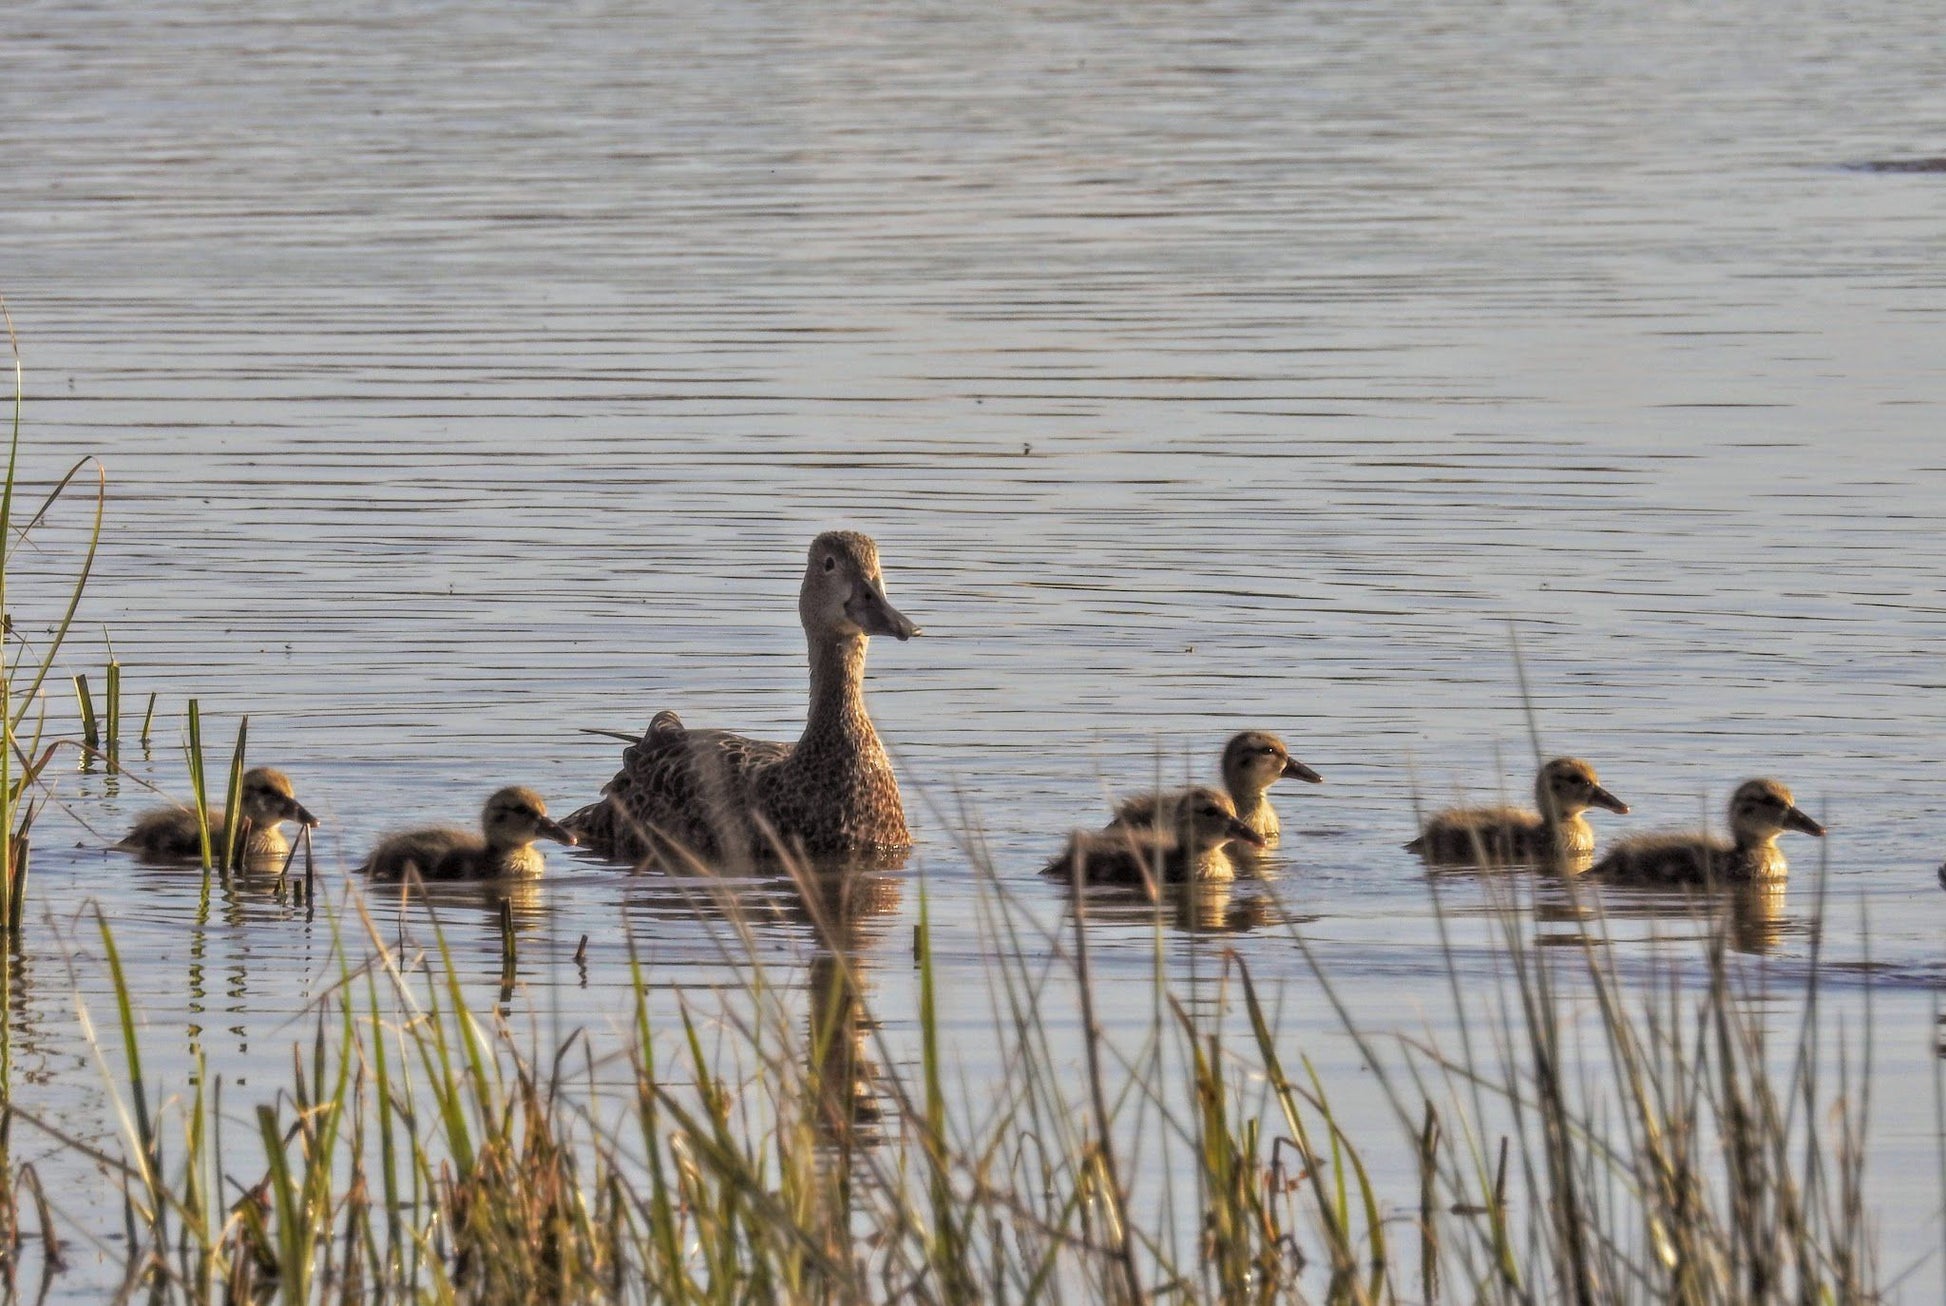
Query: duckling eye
{"points": [[830, 562]]}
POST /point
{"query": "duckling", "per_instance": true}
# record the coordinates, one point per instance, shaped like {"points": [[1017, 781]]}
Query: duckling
{"points": [[510, 823], [1186, 840], [1565, 788], [1760, 811], [710, 793], [268, 801], [1252, 762]]}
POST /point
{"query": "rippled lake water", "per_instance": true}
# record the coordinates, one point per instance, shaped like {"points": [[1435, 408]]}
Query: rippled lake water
{"points": [[465, 376]]}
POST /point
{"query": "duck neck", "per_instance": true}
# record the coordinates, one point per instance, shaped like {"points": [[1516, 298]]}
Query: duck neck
{"points": [[262, 837], [1249, 801], [1756, 843], [1553, 815], [837, 720]]}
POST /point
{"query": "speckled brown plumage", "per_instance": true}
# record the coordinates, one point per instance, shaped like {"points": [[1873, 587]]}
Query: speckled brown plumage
{"points": [[511, 821], [1760, 811], [1252, 762], [268, 800], [715, 795], [1564, 789], [1184, 839]]}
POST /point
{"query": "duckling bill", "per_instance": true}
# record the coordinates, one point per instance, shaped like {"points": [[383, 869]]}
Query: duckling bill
{"points": [[510, 823], [1564, 789], [268, 800], [1760, 812]]}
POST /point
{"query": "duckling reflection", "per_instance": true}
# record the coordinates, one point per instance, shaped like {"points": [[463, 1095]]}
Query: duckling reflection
{"points": [[510, 823], [1253, 761], [1758, 920], [1753, 915], [268, 800], [1186, 839], [1556, 832], [1760, 812]]}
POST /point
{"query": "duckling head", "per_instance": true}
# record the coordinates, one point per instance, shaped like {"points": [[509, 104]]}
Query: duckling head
{"points": [[1567, 787], [1760, 810], [269, 797], [516, 816], [843, 596], [1256, 759], [1206, 820]]}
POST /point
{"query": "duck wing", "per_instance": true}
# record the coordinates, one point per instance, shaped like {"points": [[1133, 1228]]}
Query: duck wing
{"points": [[679, 791]]}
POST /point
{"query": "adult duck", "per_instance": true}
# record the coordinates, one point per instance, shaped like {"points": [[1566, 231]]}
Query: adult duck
{"points": [[710, 794]]}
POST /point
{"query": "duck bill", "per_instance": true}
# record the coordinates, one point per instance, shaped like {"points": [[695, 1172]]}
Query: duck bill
{"points": [[1296, 770], [874, 614], [1797, 820], [296, 811], [1600, 797], [556, 831], [1244, 834]]}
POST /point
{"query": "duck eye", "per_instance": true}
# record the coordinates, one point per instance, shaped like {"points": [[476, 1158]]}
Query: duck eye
{"points": [[830, 563]]}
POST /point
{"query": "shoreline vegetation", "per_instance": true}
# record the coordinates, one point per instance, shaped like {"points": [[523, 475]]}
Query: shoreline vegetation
{"points": [[1579, 1137]]}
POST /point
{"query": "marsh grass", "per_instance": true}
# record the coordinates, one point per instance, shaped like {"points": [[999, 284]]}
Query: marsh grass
{"points": [[1577, 1135]]}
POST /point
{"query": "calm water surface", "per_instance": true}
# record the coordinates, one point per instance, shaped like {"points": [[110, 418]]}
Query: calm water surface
{"points": [[465, 376]]}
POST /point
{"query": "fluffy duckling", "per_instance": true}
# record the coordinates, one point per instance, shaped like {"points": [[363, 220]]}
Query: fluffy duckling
{"points": [[268, 801], [510, 823], [1565, 788], [1252, 762], [710, 793], [1186, 840], [1760, 811]]}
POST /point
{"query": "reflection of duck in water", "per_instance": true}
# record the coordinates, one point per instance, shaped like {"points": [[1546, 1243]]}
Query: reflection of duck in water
{"points": [[1564, 789], [1757, 919], [1252, 762], [268, 800], [847, 910], [849, 905], [710, 793], [1760, 811], [509, 824], [1185, 839]]}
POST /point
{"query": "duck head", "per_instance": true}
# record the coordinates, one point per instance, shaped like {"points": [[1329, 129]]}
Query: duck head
{"points": [[1206, 820], [843, 596], [1256, 759], [516, 816], [1761, 810], [269, 798], [1567, 787]]}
